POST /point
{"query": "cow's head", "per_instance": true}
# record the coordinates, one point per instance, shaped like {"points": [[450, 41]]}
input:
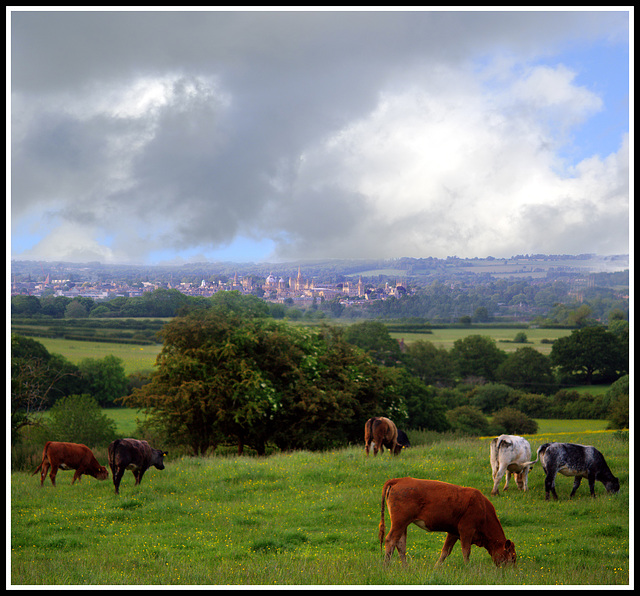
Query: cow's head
{"points": [[612, 485], [505, 555], [158, 458], [102, 473]]}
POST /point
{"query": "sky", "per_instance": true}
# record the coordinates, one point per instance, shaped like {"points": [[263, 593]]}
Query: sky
{"points": [[169, 136]]}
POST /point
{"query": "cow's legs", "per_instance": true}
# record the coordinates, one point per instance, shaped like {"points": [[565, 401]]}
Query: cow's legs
{"points": [[550, 486], [78, 475], [138, 476], [52, 475], [395, 539], [465, 544], [497, 477], [117, 477], [592, 484], [576, 484], [43, 472], [449, 543]]}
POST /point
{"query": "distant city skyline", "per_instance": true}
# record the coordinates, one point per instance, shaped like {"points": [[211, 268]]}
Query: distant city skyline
{"points": [[171, 136]]}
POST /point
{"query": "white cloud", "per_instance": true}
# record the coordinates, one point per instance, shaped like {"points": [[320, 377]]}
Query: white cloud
{"points": [[455, 168]]}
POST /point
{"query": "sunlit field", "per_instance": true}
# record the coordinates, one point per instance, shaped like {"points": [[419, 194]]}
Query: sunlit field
{"points": [[445, 338], [135, 357], [309, 519]]}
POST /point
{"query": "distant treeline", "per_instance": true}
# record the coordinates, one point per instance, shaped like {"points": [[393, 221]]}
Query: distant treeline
{"points": [[502, 301]]}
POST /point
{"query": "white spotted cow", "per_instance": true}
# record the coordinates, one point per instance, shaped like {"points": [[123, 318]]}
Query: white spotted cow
{"points": [[510, 454]]}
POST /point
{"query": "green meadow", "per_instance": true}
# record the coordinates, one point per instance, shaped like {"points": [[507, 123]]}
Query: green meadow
{"points": [[135, 357], [445, 338], [310, 519], [140, 358]]}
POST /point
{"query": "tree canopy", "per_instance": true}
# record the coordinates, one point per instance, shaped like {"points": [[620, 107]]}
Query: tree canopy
{"points": [[477, 356], [232, 374], [589, 351]]}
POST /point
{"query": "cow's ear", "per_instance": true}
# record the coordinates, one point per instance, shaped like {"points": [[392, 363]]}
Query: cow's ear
{"points": [[165, 453], [507, 544]]}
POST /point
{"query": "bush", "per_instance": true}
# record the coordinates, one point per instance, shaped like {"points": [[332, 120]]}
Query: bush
{"points": [[520, 338], [514, 422], [79, 419], [468, 420], [535, 405], [617, 400], [492, 396]]}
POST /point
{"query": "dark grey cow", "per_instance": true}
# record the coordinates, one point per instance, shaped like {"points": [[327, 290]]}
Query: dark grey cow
{"points": [[571, 459], [132, 454]]}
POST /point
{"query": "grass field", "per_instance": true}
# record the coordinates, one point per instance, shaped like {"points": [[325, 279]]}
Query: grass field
{"points": [[446, 337], [309, 519], [136, 358]]}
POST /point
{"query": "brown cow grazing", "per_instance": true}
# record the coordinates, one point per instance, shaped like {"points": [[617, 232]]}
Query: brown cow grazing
{"points": [[69, 456], [382, 433], [134, 455], [464, 513]]}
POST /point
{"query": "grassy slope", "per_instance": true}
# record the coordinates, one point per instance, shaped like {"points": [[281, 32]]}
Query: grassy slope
{"points": [[308, 519], [136, 358], [446, 337]]}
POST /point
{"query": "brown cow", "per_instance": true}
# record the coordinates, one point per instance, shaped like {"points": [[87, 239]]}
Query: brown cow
{"points": [[69, 456], [464, 513], [382, 433]]}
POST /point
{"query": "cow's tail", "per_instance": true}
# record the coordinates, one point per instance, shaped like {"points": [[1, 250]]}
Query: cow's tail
{"points": [[44, 453], [540, 452], [385, 492], [111, 453], [368, 434]]}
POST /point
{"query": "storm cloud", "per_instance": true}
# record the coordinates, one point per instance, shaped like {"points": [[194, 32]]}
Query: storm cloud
{"points": [[328, 133]]}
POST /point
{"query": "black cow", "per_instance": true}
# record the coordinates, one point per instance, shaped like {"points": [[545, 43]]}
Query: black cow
{"points": [[132, 454], [403, 441], [581, 461]]}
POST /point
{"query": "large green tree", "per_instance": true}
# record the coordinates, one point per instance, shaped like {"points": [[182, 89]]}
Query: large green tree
{"points": [[477, 356], [527, 369], [225, 375], [432, 365], [374, 338], [590, 351]]}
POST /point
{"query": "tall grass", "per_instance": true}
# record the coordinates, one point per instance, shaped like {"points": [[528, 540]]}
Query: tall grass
{"points": [[308, 519]]}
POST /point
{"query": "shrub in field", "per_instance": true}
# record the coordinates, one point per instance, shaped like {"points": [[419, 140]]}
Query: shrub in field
{"points": [[492, 396], [569, 403], [104, 378], [536, 405], [617, 399], [469, 420], [513, 422], [520, 338], [79, 419]]}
